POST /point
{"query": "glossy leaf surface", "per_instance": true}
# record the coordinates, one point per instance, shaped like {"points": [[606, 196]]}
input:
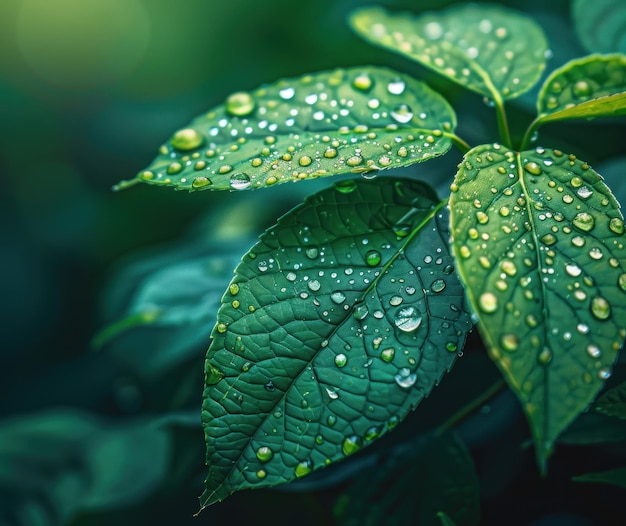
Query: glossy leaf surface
{"points": [[348, 120], [613, 402], [600, 25], [337, 323], [593, 86], [412, 486], [539, 241], [491, 50]]}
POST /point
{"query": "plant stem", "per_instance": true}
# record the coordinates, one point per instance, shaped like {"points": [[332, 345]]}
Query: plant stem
{"points": [[529, 133], [458, 142], [503, 125], [466, 410]]}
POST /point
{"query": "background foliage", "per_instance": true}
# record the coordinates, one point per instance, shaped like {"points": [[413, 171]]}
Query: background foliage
{"points": [[88, 90]]}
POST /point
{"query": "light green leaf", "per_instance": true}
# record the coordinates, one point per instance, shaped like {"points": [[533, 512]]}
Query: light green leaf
{"points": [[600, 25], [347, 120], [593, 86], [447, 480], [539, 241], [613, 402], [617, 477], [491, 50], [337, 323]]}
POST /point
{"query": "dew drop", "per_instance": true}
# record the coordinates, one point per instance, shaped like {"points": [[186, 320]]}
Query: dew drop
{"points": [[395, 300], [509, 342], [396, 87], [341, 360], [312, 252], [363, 82], [269, 386], [314, 285], [337, 297], [600, 308], [593, 351], [407, 319], [351, 445], [387, 354], [508, 267], [287, 93], [438, 285], [187, 139], [240, 104], [405, 378], [621, 281], [596, 253], [372, 258], [360, 312], [573, 270], [303, 468], [582, 89], [545, 357], [548, 239], [402, 114], [264, 454], [261, 474], [617, 225], [488, 302], [584, 192], [200, 182], [532, 168], [239, 181], [604, 374], [584, 221]]}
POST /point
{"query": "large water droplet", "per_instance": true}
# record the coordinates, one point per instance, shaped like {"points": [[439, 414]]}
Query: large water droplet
{"points": [[509, 342], [337, 297], [363, 82], [303, 468], [341, 360], [573, 270], [187, 139], [360, 312], [405, 378], [200, 182], [351, 445], [584, 192], [532, 168], [402, 114], [617, 225], [396, 87], [584, 221], [593, 351], [582, 89], [264, 454], [372, 258], [287, 93], [239, 181], [488, 302], [387, 354], [438, 285], [314, 285], [600, 308], [407, 319], [312, 252], [240, 104]]}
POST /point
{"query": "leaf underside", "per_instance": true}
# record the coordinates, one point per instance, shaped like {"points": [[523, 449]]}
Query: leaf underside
{"points": [[337, 323], [593, 86], [347, 120], [539, 241], [491, 50], [613, 402]]}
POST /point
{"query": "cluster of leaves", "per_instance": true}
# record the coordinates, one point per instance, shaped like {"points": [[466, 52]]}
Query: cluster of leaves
{"points": [[346, 313]]}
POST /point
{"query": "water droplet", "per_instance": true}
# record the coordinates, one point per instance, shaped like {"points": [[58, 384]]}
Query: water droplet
{"points": [[578, 241], [303, 468], [312, 252], [573, 270], [545, 356], [451, 346], [532, 168], [371, 433], [582, 89], [200, 182], [407, 319], [287, 93], [584, 192], [332, 394], [337, 297], [239, 181], [261, 474], [548, 239], [508, 267], [395, 300], [264, 454], [396, 87], [341, 360], [488, 302], [593, 351], [345, 187], [600, 308], [363, 82], [314, 285], [405, 378], [387, 354], [438, 285], [372, 258], [509, 342], [482, 218], [604, 374], [269, 386], [402, 114], [332, 420], [240, 104], [621, 281], [351, 445], [433, 30], [360, 312], [596, 253], [187, 139], [582, 328], [617, 225], [584, 221]]}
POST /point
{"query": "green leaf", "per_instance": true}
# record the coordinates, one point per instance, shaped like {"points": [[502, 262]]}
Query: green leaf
{"points": [[491, 50], [337, 323], [617, 477], [347, 120], [593, 428], [613, 402], [600, 25], [585, 88], [539, 241], [445, 519], [395, 495]]}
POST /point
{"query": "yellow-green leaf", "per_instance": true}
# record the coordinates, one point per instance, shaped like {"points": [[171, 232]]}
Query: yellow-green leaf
{"points": [[539, 241], [348, 120], [491, 50]]}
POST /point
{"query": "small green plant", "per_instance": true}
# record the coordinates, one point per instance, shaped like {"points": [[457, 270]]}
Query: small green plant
{"points": [[347, 312]]}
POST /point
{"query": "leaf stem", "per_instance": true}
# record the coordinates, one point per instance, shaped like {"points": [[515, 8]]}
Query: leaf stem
{"points": [[530, 132], [458, 142], [466, 410], [503, 124]]}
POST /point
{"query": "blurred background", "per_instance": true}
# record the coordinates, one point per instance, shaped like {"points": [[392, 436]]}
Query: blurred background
{"points": [[102, 427]]}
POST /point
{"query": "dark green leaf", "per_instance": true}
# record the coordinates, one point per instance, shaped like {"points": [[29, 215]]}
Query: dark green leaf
{"points": [[491, 50], [338, 322], [613, 402], [412, 486], [616, 477], [592, 428], [445, 519], [600, 25], [347, 120], [539, 241], [585, 88]]}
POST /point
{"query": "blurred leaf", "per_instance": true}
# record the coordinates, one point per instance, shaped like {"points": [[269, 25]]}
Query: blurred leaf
{"points": [[593, 428], [413, 488], [491, 50], [65, 462], [347, 120], [600, 25], [539, 243], [616, 477], [593, 86], [338, 322], [613, 402]]}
